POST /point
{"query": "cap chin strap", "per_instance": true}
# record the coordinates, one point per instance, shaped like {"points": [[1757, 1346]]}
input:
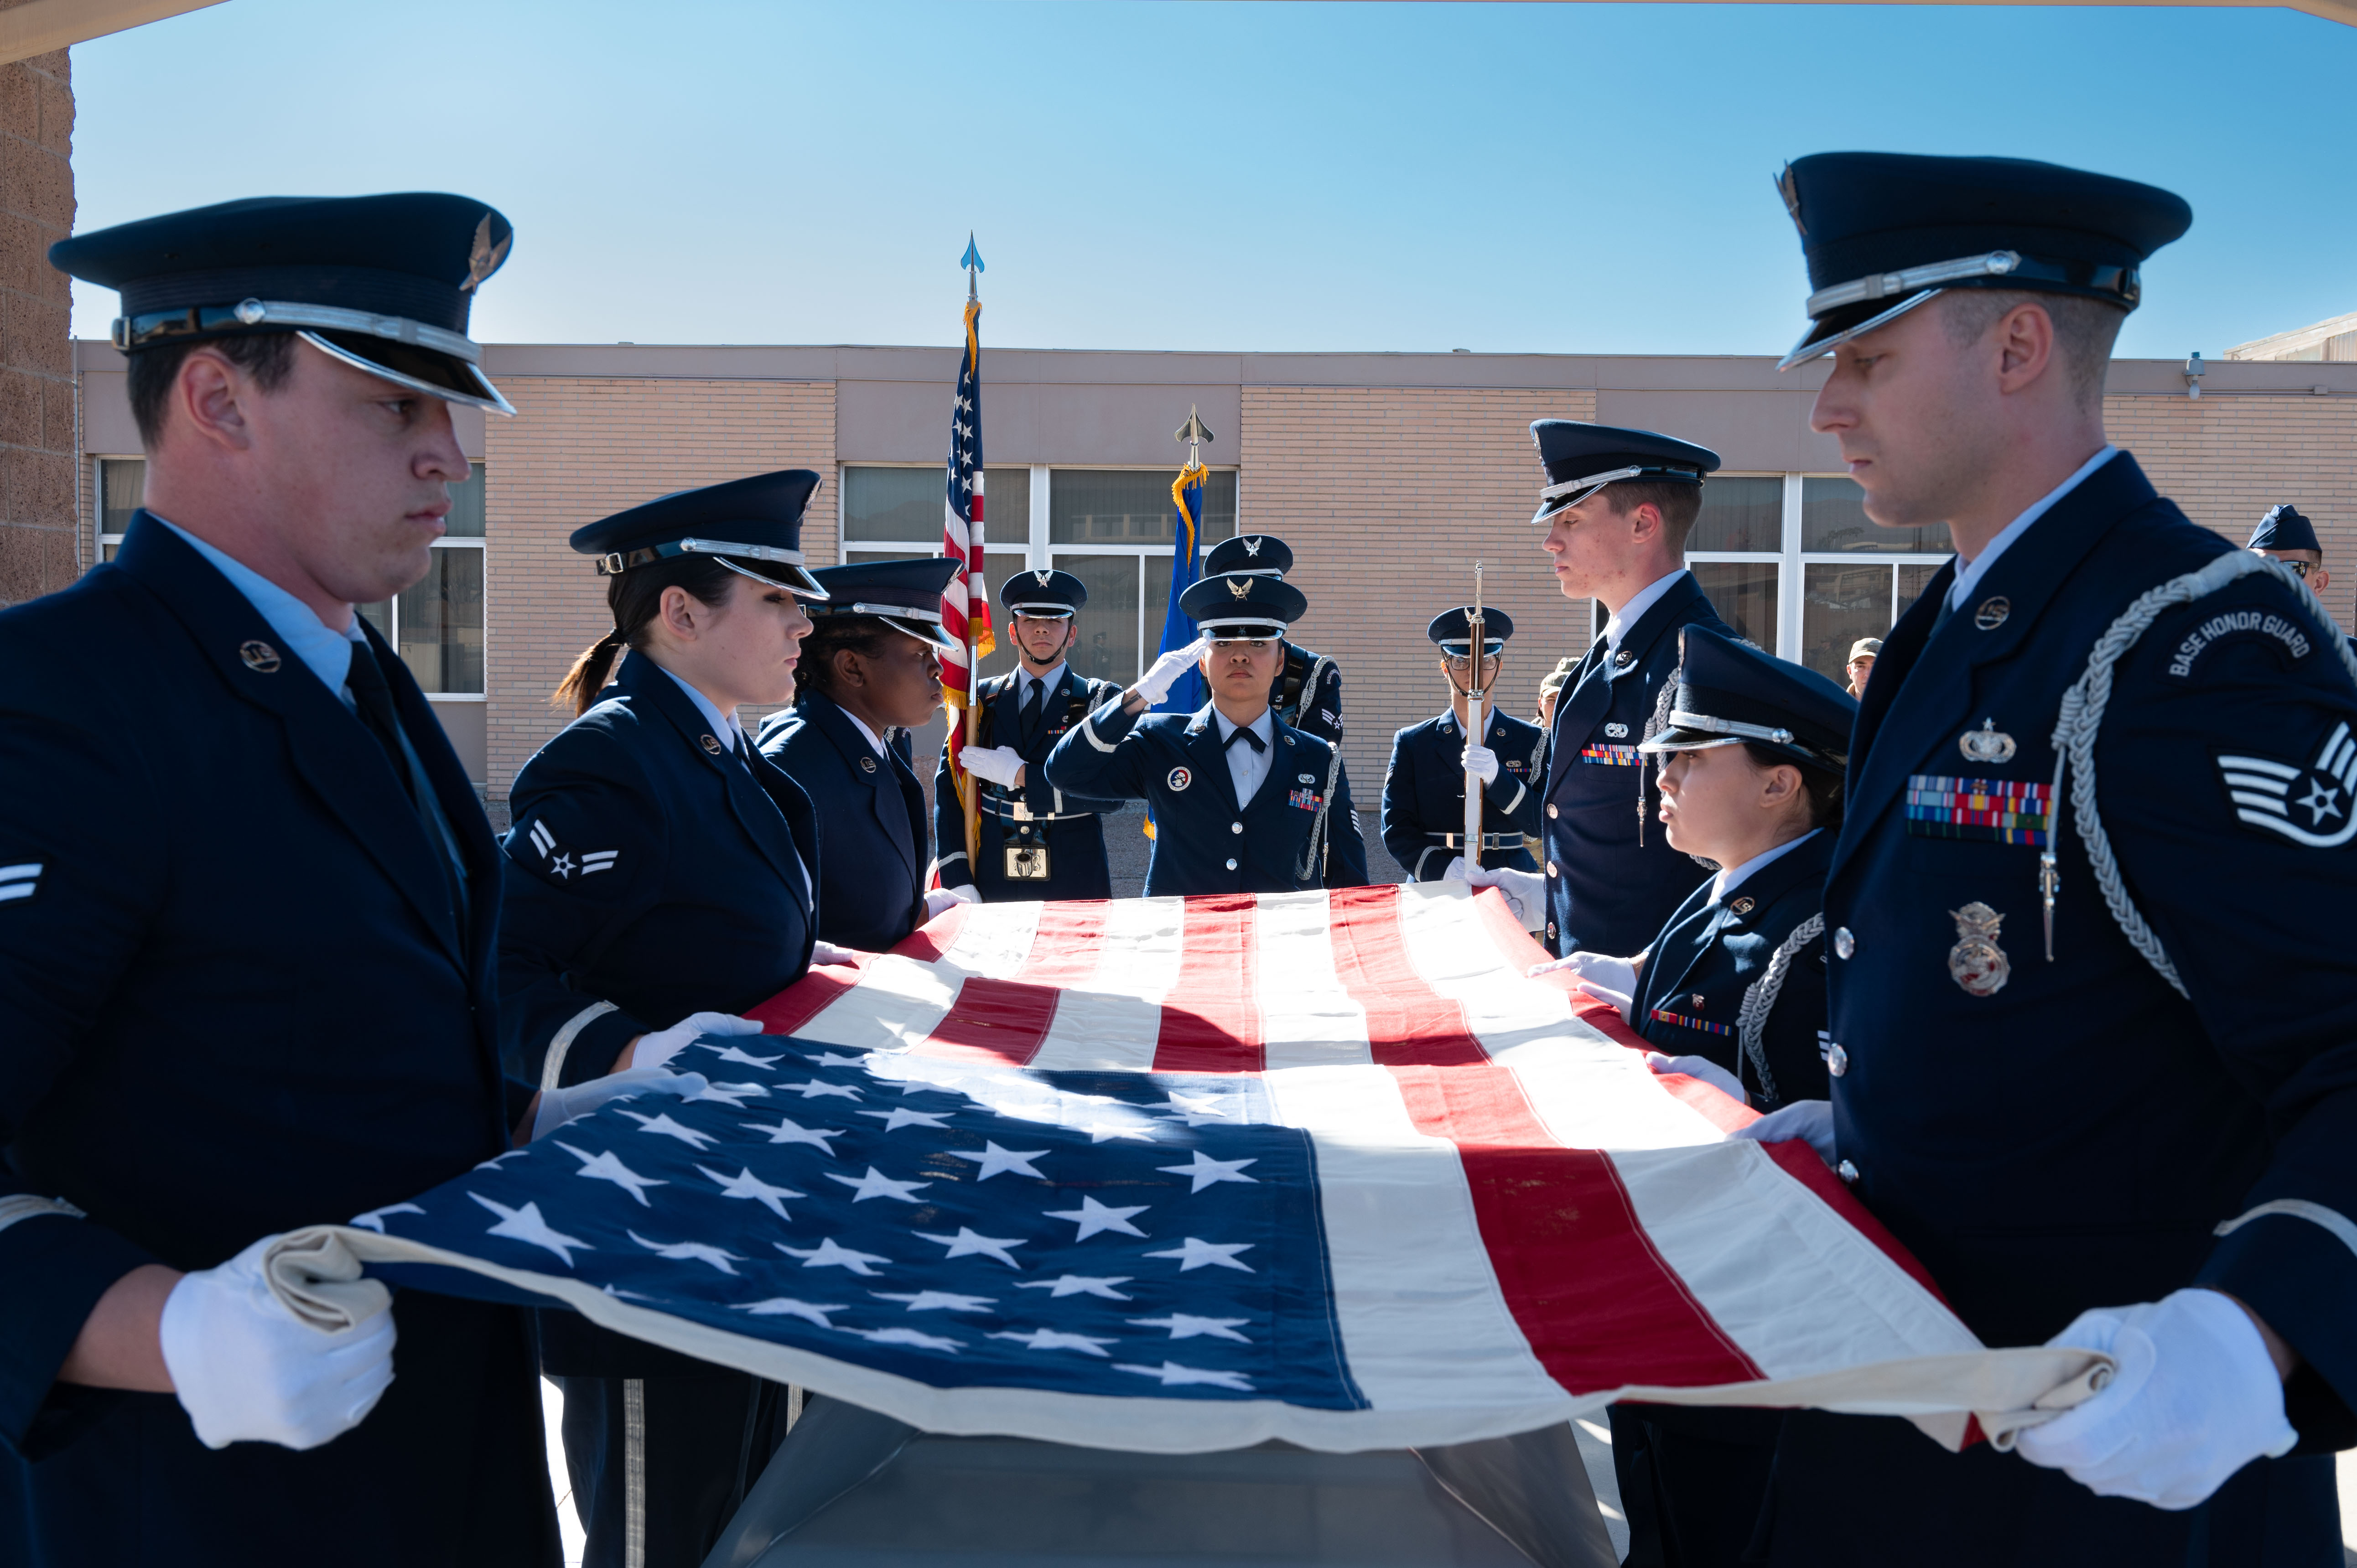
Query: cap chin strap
{"points": [[1812, 347], [1736, 732], [1571, 492], [1919, 284], [1218, 631], [1253, 571], [614, 563]]}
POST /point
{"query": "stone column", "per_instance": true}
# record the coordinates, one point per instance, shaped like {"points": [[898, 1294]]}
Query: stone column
{"points": [[43, 547]]}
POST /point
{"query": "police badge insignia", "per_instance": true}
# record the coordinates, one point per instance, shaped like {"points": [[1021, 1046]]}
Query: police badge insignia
{"points": [[1976, 963], [1988, 745]]}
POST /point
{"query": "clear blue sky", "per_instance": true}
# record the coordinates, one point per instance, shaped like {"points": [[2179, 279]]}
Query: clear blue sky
{"points": [[1517, 178]]}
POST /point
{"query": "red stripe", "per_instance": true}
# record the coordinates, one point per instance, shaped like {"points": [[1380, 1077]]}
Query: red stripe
{"points": [[1585, 1283], [1005, 1021], [806, 998], [1210, 1020]]}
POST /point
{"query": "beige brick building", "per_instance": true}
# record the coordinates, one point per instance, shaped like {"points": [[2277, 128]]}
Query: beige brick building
{"points": [[1389, 474]]}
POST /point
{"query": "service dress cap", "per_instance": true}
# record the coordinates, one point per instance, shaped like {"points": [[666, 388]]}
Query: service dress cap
{"points": [[382, 283], [904, 594], [1730, 692], [1882, 232], [2284, 528], [1582, 458], [1453, 629], [1043, 594], [1241, 605], [752, 526], [1864, 648], [1249, 555]]}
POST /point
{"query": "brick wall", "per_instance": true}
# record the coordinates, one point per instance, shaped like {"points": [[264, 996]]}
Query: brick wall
{"points": [[579, 449], [1387, 496], [2227, 459], [38, 531]]}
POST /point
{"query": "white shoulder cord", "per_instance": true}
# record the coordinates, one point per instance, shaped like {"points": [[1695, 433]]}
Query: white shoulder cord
{"points": [[1759, 998], [1313, 854], [2083, 717]]}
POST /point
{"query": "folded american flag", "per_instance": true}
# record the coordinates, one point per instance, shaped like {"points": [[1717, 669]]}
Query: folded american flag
{"points": [[1177, 1175]]}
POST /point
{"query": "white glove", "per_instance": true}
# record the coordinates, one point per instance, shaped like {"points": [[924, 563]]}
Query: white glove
{"points": [[558, 1106], [1480, 760], [1524, 890], [827, 952], [999, 764], [940, 899], [1703, 1068], [1620, 999], [1617, 975], [1811, 1120], [659, 1047], [248, 1370], [1164, 672], [2196, 1399]]}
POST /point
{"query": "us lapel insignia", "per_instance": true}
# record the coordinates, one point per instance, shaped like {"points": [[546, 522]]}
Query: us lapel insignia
{"points": [[867, 765], [1976, 963], [1992, 613], [1741, 907], [709, 743], [1624, 658], [1988, 743], [259, 656], [1179, 778], [1240, 587]]}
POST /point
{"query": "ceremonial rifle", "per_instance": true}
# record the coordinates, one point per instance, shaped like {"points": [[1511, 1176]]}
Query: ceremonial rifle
{"points": [[1474, 730]]}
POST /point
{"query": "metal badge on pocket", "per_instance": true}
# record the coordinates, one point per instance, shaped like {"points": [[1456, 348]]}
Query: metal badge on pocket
{"points": [[1027, 863]]}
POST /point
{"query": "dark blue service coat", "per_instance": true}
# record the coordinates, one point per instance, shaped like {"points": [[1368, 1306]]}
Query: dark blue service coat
{"points": [[1308, 694], [236, 1000], [1612, 879], [2079, 1134], [1710, 956], [651, 874], [871, 885], [1424, 795], [1298, 832], [1068, 825]]}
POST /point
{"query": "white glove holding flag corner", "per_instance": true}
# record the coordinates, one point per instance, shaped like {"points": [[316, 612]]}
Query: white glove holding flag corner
{"points": [[1164, 672], [1525, 891], [1480, 760], [827, 952], [940, 899], [1702, 1068], [558, 1106], [998, 764], [1614, 974], [2196, 1397], [655, 1049], [1811, 1120], [249, 1370]]}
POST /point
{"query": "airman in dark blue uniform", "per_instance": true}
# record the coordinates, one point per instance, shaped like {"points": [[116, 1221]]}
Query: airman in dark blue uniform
{"points": [[247, 913], [2287, 536], [1424, 788], [661, 868], [1618, 505], [1308, 691], [1035, 840], [2095, 1029], [1242, 802], [872, 665], [1732, 991]]}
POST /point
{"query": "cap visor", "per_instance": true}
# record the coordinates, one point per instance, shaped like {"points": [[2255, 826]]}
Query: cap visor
{"points": [[1687, 740], [1823, 336], [778, 574], [926, 632], [405, 364]]}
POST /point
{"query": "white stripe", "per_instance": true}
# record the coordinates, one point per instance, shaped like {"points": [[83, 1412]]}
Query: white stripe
{"points": [[2256, 781], [29, 868], [2331, 744], [543, 837], [2264, 802], [15, 890], [1788, 1279], [1424, 1322], [599, 855], [1089, 728], [1307, 1017], [899, 1001], [2332, 1219], [2259, 764], [1114, 1019]]}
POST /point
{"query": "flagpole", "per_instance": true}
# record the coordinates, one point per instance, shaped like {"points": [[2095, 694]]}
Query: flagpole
{"points": [[1474, 731], [973, 795]]}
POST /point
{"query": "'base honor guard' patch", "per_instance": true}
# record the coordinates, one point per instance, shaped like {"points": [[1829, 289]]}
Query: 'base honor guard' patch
{"points": [[2277, 798]]}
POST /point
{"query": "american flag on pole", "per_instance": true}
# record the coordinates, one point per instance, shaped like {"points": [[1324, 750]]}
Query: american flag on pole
{"points": [[1180, 1174], [965, 602]]}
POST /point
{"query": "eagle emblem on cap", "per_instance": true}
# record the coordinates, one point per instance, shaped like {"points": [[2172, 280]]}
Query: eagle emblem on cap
{"points": [[1041, 578], [1240, 587], [1252, 547], [484, 258], [1789, 190]]}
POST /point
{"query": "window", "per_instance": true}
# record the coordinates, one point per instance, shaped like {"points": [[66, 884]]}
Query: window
{"points": [[436, 624], [122, 481], [1793, 563], [1112, 527]]}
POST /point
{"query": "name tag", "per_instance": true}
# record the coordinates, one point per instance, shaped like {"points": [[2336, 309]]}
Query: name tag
{"points": [[1995, 811]]}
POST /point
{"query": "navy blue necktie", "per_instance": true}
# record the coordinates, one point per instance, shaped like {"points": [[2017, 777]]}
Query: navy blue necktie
{"points": [[1030, 719], [1241, 733]]}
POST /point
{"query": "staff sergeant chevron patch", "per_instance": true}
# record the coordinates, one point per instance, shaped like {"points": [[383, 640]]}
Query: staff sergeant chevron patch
{"points": [[2279, 798]]}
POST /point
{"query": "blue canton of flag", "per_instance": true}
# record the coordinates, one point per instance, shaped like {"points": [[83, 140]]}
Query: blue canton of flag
{"points": [[1079, 1232]]}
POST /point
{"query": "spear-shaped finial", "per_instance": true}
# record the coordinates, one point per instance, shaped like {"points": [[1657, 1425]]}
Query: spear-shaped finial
{"points": [[971, 262], [1192, 431]]}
